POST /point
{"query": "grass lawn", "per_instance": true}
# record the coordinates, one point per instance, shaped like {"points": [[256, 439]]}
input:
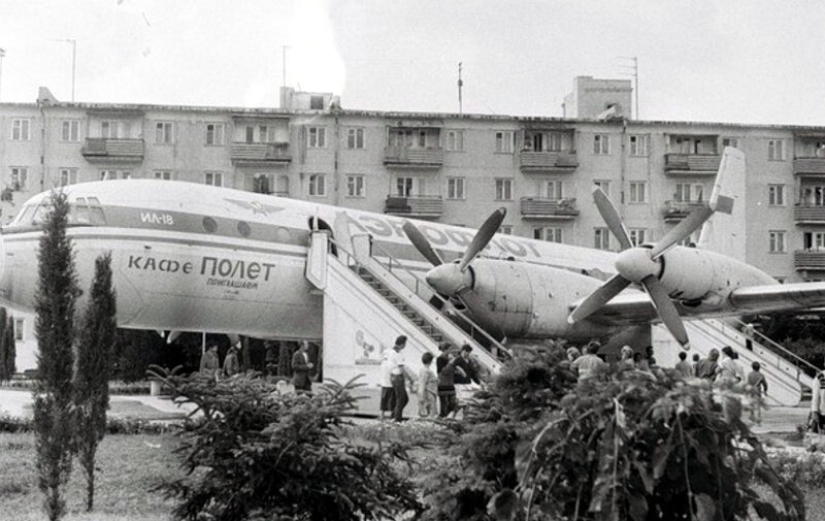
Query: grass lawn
{"points": [[129, 466]]}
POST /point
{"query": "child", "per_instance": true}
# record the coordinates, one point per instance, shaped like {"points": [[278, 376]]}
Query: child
{"points": [[757, 384], [427, 387]]}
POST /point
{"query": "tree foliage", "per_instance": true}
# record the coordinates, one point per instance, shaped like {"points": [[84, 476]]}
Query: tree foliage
{"points": [[8, 352], [57, 292], [625, 445], [94, 360], [258, 454]]}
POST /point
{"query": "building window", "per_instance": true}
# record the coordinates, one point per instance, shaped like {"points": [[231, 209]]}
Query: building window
{"points": [[637, 236], [505, 142], [776, 241], [114, 129], [689, 193], [70, 130], [455, 188], [163, 133], [601, 238], [19, 178], [638, 192], [776, 150], [506, 229], [20, 329], [554, 190], [601, 144], [213, 178], [111, 175], [20, 129], [317, 137], [455, 140], [548, 234], [537, 141], [355, 138], [776, 195], [504, 189], [215, 134], [318, 185], [813, 241], [732, 142], [638, 145], [604, 185], [355, 185], [164, 175], [68, 176]]}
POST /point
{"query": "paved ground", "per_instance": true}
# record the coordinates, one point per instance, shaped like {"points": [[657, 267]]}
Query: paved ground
{"points": [[18, 403]]}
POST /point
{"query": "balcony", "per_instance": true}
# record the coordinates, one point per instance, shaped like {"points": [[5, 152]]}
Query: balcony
{"points": [[675, 211], [543, 162], [111, 150], [809, 214], [809, 260], [692, 164], [810, 166], [546, 208], [418, 158], [424, 206], [260, 154]]}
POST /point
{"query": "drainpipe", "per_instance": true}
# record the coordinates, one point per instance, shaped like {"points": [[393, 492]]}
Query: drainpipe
{"points": [[42, 106], [335, 173]]}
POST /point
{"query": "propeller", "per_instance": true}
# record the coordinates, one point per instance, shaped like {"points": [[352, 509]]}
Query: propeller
{"points": [[641, 265], [454, 279]]}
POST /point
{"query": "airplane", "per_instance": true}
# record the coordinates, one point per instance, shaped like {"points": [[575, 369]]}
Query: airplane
{"points": [[191, 257]]}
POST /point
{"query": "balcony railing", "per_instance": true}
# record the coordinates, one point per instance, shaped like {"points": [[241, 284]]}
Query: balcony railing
{"points": [[692, 164], [259, 154], [546, 208], [425, 206], [113, 150], [809, 166], [678, 210], [809, 214], [558, 162], [422, 158], [809, 260]]}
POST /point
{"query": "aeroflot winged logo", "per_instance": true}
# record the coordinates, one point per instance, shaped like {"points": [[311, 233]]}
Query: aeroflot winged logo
{"points": [[256, 207]]}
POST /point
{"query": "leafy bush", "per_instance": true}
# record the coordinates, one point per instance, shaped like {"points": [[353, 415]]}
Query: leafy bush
{"points": [[625, 445], [257, 454], [799, 466], [113, 425]]}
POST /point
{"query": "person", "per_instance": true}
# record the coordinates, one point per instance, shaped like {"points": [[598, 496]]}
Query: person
{"points": [[816, 422], [301, 367], [748, 332], [399, 376], [468, 366], [385, 379], [427, 387], [231, 365], [271, 357], [588, 363], [626, 360], [683, 367], [729, 371], [446, 362], [696, 359], [210, 364], [706, 368], [572, 354], [757, 384]]}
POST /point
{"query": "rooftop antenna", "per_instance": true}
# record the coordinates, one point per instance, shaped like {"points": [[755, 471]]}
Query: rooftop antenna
{"points": [[460, 85], [632, 70], [74, 58]]}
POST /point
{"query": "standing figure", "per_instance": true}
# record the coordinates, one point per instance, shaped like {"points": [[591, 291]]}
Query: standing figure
{"points": [[729, 371], [588, 363], [706, 367], [447, 368], [301, 367], [210, 363], [817, 419], [626, 361], [385, 379], [757, 384], [399, 375], [683, 367], [231, 365], [427, 387]]}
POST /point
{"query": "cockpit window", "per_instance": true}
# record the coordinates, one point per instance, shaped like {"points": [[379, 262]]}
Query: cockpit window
{"points": [[84, 211]]}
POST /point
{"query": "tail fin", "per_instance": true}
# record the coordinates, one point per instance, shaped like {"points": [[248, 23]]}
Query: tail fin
{"points": [[727, 234]]}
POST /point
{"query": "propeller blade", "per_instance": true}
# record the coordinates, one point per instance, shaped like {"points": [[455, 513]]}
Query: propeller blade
{"points": [[482, 315], [482, 237], [611, 217], [598, 298], [682, 230], [666, 310], [421, 243]]}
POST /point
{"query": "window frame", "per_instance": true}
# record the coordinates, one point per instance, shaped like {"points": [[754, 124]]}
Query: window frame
{"points": [[215, 175], [777, 242], [633, 195], [504, 189], [454, 140], [356, 186], [639, 147], [19, 178], [317, 185], [70, 173], [355, 138], [21, 129], [776, 194], [316, 137], [217, 133], [776, 150], [601, 238], [504, 142], [601, 144], [549, 234], [164, 133], [456, 188], [70, 131]]}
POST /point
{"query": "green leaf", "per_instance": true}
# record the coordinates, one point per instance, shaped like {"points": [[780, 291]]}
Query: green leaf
{"points": [[638, 507]]}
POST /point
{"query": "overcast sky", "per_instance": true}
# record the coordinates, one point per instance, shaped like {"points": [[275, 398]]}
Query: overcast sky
{"points": [[754, 61]]}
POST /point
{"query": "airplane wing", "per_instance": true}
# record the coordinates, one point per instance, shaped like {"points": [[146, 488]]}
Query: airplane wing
{"points": [[779, 297]]}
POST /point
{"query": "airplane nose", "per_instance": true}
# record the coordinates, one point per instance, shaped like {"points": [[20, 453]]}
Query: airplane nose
{"points": [[447, 279]]}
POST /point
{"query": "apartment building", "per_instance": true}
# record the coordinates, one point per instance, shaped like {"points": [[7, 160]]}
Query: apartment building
{"points": [[446, 167]]}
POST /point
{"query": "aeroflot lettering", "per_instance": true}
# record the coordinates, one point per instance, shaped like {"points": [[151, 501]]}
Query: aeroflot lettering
{"points": [[157, 218], [460, 239]]}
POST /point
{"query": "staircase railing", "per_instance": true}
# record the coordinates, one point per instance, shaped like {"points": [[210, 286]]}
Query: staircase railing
{"points": [[766, 341]]}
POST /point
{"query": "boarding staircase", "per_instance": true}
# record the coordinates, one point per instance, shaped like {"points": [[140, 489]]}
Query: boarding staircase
{"points": [[790, 378]]}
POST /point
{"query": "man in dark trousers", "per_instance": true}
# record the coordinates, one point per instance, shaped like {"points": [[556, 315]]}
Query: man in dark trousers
{"points": [[400, 374], [301, 367]]}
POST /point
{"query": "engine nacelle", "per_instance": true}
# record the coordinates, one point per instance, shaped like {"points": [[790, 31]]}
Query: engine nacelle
{"points": [[531, 300]]}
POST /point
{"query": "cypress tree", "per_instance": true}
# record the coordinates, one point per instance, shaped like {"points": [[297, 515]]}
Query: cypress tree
{"points": [[94, 366], [10, 347], [57, 292], [5, 373]]}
